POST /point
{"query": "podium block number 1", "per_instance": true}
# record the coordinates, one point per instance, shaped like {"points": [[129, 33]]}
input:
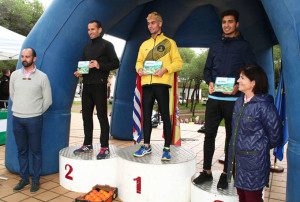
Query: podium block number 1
{"points": [[138, 184]]}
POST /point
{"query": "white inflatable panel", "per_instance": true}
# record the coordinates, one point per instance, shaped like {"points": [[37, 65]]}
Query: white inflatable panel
{"points": [[150, 179], [80, 173], [208, 191], [3, 124]]}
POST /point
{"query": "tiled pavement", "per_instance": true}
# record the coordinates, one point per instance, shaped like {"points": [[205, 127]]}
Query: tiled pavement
{"points": [[52, 191]]}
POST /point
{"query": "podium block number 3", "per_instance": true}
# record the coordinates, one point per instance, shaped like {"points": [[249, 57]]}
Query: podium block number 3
{"points": [[138, 184], [68, 175]]}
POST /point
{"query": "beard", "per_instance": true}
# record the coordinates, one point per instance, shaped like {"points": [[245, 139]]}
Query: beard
{"points": [[27, 64]]}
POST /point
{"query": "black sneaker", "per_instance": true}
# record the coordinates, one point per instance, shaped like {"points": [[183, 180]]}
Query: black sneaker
{"points": [[35, 186], [21, 185], [104, 152], [203, 177], [222, 184], [84, 149], [201, 130]]}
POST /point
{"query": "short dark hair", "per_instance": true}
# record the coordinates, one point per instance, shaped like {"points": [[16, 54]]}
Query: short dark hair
{"points": [[234, 13], [257, 74], [97, 22], [5, 71], [32, 51]]}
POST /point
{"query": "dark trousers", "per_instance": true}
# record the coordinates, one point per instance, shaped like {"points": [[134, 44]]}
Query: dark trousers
{"points": [[161, 94], [95, 94], [28, 133], [216, 110], [250, 196]]}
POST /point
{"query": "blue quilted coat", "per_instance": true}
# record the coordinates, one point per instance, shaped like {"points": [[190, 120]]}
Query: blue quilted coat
{"points": [[256, 128]]}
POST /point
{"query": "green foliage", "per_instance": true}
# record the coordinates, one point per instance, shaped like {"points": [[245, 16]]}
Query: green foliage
{"points": [[277, 63], [204, 87], [197, 67], [186, 54], [10, 64], [20, 15]]}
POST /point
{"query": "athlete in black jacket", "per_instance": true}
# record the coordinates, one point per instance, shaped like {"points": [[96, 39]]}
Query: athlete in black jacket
{"points": [[103, 58]]}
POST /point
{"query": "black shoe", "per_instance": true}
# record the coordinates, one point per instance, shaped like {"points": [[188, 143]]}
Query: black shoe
{"points": [[201, 130], [203, 177], [222, 184], [35, 186], [21, 185]]}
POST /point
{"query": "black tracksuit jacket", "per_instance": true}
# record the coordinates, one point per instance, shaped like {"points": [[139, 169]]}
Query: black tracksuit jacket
{"points": [[103, 51]]}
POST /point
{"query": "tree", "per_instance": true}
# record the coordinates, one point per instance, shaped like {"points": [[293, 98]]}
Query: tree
{"points": [[186, 54], [19, 16], [277, 64], [197, 75], [204, 88], [184, 75]]}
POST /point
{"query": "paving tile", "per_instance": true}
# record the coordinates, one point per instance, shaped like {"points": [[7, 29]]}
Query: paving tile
{"points": [[277, 196], [60, 190], [276, 189], [50, 177], [11, 182], [279, 183], [49, 185], [274, 200], [56, 180], [31, 199], [46, 196], [15, 197], [5, 191], [28, 193], [73, 195], [62, 198]]}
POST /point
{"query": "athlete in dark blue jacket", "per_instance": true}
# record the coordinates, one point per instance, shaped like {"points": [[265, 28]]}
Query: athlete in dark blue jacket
{"points": [[225, 57]]}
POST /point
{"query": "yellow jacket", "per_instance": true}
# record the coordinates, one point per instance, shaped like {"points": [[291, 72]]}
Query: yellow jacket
{"points": [[160, 49]]}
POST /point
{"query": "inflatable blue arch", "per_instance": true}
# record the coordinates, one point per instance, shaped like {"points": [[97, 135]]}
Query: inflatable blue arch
{"points": [[61, 33]]}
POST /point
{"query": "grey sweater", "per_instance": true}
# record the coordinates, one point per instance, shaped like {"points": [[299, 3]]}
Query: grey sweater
{"points": [[31, 96]]}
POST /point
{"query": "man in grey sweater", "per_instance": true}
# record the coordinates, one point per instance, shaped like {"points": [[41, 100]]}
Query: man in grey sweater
{"points": [[30, 92]]}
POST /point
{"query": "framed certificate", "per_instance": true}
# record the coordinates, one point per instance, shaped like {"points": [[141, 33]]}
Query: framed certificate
{"points": [[83, 67], [151, 66], [224, 84]]}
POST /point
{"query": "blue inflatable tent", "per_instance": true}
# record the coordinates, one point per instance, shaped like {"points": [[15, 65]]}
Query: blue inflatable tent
{"points": [[61, 33]]}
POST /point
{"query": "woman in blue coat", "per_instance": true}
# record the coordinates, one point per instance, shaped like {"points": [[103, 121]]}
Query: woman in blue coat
{"points": [[256, 128]]}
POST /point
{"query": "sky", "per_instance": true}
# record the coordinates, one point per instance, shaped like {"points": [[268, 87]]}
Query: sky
{"points": [[46, 3], [119, 44]]}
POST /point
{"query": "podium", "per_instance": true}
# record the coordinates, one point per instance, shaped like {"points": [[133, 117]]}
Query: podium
{"points": [[208, 191], [149, 178], [81, 172]]}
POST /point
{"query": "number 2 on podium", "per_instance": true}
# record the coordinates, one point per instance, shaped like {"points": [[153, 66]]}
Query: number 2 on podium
{"points": [[138, 184], [67, 176]]}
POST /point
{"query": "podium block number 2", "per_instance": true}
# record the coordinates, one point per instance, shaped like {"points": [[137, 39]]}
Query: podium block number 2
{"points": [[138, 184], [68, 176]]}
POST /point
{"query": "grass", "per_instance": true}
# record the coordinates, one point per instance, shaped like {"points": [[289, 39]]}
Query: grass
{"points": [[76, 102], [198, 106]]}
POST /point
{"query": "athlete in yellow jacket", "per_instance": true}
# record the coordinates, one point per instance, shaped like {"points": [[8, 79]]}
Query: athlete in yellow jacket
{"points": [[162, 49], [156, 86]]}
